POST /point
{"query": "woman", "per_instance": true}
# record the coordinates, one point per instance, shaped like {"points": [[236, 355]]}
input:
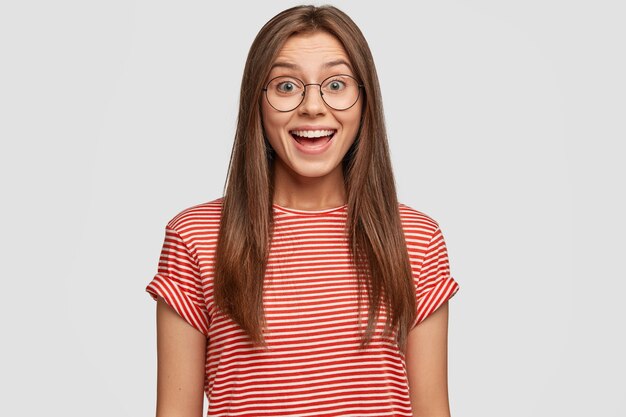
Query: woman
{"points": [[304, 290]]}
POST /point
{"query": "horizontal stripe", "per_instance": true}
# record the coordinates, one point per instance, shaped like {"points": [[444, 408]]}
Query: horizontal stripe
{"points": [[312, 364]]}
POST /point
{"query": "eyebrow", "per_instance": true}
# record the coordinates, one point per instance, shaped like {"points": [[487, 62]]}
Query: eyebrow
{"points": [[329, 64]]}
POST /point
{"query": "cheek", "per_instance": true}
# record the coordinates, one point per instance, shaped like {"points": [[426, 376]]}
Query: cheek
{"points": [[351, 122], [273, 124]]}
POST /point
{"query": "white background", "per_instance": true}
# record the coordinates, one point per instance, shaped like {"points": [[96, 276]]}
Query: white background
{"points": [[506, 124]]}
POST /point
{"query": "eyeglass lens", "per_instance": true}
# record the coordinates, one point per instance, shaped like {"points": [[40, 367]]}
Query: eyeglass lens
{"points": [[338, 91]]}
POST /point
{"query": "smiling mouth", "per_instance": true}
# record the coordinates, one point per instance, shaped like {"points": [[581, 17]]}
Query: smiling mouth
{"points": [[313, 139]]}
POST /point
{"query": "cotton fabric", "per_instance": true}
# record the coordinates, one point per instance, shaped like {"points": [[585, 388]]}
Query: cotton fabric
{"points": [[313, 365]]}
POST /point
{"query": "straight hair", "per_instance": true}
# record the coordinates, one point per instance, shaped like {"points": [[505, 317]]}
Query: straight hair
{"points": [[376, 239]]}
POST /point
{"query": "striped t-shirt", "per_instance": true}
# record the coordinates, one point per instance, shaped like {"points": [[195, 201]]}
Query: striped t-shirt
{"points": [[312, 365]]}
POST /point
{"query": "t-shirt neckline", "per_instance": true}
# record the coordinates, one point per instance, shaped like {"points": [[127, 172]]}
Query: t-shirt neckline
{"points": [[308, 212]]}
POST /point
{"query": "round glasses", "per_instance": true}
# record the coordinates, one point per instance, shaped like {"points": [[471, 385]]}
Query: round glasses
{"points": [[339, 92]]}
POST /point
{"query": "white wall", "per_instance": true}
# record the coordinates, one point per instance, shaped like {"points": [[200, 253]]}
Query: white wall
{"points": [[506, 124]]}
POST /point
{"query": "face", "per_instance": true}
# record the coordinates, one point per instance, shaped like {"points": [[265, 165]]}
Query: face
{"points": [[298, 154]]}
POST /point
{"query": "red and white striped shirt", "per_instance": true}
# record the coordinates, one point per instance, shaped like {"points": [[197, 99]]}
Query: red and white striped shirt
{"points": [[312, 365]]}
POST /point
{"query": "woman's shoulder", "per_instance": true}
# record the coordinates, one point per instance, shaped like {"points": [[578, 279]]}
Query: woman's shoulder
{"points": [[202, 214], [415, 220]]}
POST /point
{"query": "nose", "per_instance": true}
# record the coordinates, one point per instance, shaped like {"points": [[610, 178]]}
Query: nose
{"points": [[312, 103]]}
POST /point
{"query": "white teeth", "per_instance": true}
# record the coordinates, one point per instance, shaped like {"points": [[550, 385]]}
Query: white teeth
{"points": [[312, 133]]}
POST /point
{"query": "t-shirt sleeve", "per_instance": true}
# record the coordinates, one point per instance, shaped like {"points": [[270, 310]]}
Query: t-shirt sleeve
{"points": [[434, 284], [179, 282]]}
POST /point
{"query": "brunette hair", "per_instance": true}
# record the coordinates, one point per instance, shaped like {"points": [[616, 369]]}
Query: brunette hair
{"points": [[376, 239]]}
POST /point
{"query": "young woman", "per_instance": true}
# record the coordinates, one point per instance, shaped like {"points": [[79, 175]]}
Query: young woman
{"points": [[307, 289]]}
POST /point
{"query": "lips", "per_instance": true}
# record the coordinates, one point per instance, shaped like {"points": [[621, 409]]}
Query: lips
{"points": [[312, 137], [312, 141]]}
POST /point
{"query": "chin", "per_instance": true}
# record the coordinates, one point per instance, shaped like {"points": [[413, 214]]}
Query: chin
{"points": [[312, 171]]}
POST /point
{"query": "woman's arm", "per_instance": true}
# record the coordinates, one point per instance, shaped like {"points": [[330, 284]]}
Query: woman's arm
{"points": [[181, 351], [427, 365]]}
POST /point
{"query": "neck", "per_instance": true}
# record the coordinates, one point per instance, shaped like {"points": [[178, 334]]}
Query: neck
{"points": [[308, 193]]}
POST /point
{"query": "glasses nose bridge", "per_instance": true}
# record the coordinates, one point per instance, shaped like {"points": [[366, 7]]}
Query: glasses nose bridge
{"points": [[317, 84], [304, 92]]}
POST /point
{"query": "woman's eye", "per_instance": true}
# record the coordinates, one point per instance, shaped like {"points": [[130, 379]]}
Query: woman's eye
{"points": [[336, 85], [286, 87]]}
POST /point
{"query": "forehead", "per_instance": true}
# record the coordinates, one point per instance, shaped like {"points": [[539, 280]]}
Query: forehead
{"points": [[317, 50]]}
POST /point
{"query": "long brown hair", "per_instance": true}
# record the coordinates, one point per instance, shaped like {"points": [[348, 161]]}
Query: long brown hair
{"points": [[374, 228]]}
